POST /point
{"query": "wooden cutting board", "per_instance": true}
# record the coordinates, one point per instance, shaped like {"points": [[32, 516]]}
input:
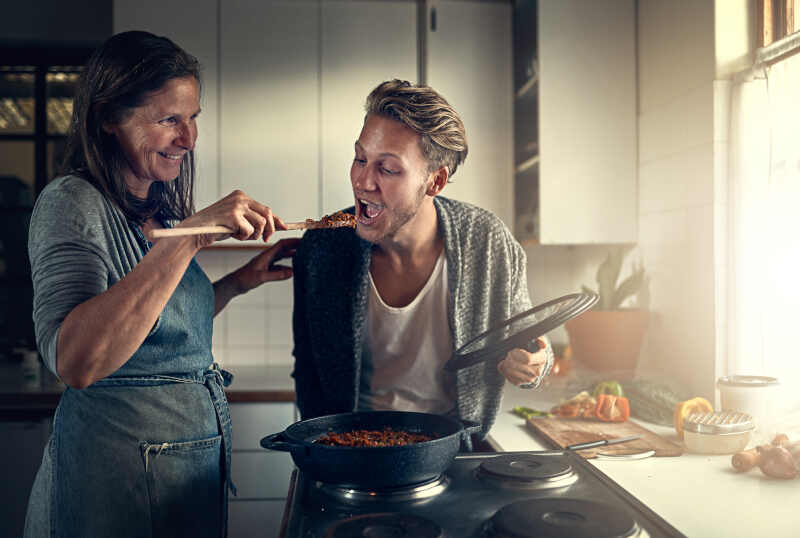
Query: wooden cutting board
{"points": [[563, 432]]}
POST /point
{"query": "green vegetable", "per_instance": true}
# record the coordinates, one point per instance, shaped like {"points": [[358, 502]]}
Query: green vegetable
{"points": [[651, 401], [608, 387], [527, 412]]}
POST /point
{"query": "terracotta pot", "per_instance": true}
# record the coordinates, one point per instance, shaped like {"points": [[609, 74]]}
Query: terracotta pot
{"points": [[608, 339]]}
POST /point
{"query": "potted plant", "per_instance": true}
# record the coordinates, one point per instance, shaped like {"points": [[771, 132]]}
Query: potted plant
{"points": [[609, 337]]}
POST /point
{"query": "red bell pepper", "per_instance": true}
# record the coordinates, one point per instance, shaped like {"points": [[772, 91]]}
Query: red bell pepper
{"points": [[612, 408]]}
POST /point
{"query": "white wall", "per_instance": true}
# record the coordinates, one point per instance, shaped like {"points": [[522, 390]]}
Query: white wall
{"points": [[255, 328], [678, 156]]}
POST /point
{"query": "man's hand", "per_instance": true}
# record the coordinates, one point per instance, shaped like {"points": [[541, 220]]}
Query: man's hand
{"points": [[522, 367], [263, 268]]}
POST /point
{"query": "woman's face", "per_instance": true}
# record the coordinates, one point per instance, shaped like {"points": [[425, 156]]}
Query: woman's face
{"points": [[156, 136]]}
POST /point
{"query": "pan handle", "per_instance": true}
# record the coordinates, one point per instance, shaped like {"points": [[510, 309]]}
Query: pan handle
{"points": [[470, 427], [277, 441]]}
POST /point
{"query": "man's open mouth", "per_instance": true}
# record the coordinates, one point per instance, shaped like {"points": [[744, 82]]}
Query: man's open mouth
{"points": [[368, 211]]}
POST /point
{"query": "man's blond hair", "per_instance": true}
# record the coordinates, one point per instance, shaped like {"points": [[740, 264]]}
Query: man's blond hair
{"points": [[443, 139]]}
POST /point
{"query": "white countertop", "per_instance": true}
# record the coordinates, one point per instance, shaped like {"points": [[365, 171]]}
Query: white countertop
{"points": [[700, 495]]}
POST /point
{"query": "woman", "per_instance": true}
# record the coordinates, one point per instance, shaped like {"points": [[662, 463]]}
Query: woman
{"points": [[141, 437]]}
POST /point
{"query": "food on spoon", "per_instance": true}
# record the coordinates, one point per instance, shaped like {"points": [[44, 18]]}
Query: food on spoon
{"points": [[373, 438], [340, 219], [689, 407]]}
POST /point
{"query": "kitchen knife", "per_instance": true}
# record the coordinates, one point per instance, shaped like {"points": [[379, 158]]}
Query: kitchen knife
{"points": [[602, 442]]}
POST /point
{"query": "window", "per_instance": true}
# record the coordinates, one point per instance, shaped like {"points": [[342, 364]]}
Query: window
{"points": [[764, 223], [36, 91]]}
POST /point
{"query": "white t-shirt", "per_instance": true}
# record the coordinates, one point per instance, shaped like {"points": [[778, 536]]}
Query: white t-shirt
{"points": [[408, 347]]}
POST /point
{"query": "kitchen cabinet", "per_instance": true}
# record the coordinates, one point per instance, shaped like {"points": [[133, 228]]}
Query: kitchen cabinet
{"points": [[270, 128], [363, 44], [288, 80], [261, 476], [21, 451], [575, 121], [468, 48]]}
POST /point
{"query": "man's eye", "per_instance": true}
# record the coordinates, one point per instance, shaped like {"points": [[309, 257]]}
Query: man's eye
{"points": [[359, 161], [168, 121]]}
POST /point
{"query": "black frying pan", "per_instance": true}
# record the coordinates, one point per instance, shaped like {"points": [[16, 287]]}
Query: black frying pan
{"points": [[373, 467]]}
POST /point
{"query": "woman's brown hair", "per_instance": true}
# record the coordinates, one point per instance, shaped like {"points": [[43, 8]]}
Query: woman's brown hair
{"points": [[119, 76], [443, 139]]}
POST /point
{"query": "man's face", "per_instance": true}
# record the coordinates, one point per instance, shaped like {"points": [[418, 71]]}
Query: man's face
{"points": [[389, 178]]}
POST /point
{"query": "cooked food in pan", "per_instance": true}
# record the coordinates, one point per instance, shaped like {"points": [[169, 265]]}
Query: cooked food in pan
{"points": [[370, 438]]}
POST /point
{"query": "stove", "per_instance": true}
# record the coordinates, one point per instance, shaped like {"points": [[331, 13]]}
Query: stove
{"points": [[481, 495]]}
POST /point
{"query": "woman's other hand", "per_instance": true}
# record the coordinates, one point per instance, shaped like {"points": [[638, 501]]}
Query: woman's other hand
{"points": [[522, 367], [247, 218]]}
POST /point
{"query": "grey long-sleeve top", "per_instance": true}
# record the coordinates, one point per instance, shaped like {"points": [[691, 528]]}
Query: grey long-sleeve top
{"points": [[487, 285]]}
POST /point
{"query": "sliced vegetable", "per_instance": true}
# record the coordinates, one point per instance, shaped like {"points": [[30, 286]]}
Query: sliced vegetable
{"points": [[527, 412], [608, 387], [582, 405], [688, 407], [612, 408]]}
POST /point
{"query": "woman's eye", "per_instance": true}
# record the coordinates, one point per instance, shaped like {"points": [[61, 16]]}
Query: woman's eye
{"points": [[388, 172], [359, 161]]}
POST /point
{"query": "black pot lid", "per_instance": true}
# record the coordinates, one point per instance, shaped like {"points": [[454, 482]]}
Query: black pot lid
{"points": [[521, 331]]}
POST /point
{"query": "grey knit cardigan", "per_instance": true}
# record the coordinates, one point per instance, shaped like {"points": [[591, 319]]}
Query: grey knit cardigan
{"points": [[487, 284]]}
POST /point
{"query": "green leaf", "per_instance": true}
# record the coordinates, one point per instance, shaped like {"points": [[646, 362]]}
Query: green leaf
{"points": [[629, 287]]}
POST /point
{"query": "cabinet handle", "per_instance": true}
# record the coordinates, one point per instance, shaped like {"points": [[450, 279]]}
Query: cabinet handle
{"points": [[433, 19]]}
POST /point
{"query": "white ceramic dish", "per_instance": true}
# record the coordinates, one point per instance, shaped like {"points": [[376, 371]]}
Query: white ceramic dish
{"points": [[723, 432]]}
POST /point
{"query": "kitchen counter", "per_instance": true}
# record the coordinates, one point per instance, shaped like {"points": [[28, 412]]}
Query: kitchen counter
{"points": [[24, 397], [700, 495]]}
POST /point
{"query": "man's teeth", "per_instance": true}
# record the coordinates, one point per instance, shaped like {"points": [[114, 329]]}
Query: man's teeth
{"points": [[371, 210], [170, 156]]}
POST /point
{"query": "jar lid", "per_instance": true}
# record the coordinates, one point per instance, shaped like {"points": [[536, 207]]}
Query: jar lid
{"points": [[753, 381], [719, 422]]}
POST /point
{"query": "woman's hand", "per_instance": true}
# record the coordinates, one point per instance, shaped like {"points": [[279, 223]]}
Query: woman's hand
{"points": [[522, 367], [262, 268], [247, 218]]}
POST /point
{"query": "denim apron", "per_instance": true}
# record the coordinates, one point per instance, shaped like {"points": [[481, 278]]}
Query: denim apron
{"points": [[147, 450]]}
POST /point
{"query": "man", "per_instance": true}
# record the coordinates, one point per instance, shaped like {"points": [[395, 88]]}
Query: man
{"points": [[379, 310]]}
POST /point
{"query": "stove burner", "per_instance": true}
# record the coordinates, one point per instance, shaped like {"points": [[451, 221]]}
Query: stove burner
{"points": [[527, 471], [413, 492], [385, 525], [561, 518]]}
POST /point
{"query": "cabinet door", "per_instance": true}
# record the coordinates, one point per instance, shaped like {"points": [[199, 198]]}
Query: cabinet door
{"points": [[469, 62], [363, 44], [21, 451], [192, 25], [270, 97], [587, 129], [255, 518]]}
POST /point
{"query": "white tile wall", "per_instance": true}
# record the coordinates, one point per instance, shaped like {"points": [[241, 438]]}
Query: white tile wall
{"points": [[255, 329], [682, 123]]}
